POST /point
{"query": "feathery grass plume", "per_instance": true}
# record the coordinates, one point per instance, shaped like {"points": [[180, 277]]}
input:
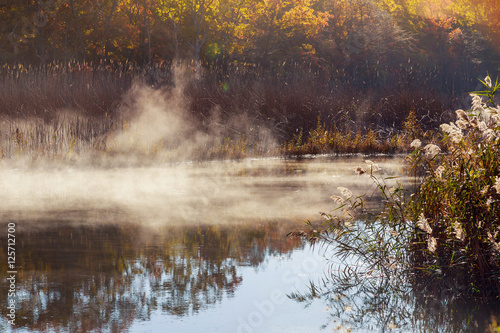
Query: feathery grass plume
{"points": [[463, 122], [349, 214], [415, 144], [462, 115], [474, 123], [457, 229], [432, 150], [495, 116], [496, 186], [492, 238], [337, 199], [439, 171], [359, 171], [477, 103], [482, 126], [345, 192], [423, 225], [453, 131], [485, 190], [489, 134], [432, 244], [487, 81], [373, 167]]}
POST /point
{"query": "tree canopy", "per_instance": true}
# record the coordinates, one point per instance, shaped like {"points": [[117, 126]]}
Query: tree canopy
{"points": [[448, 36]]}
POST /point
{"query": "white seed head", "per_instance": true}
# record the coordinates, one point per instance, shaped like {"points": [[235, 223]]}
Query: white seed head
{"points": [[453, 131], [474, 122], [432, 150], [487, 80], [337, 199], [477, 103], [415, 144], [423, 224], [439, 171], [345, 192], [462, 115], [462, 124], [482, 126], [457, 229], [485, 190], [432, 244], [496, 186], [491, 238]]}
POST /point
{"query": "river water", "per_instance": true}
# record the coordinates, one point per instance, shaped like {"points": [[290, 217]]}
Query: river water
{"points": [[191, 247]]}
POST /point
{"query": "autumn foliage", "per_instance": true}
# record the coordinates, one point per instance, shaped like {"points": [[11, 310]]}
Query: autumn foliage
{"points": [[328, 33]]}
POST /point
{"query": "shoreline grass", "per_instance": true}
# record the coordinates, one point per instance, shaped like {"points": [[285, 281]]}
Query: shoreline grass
{"points": [[70, 137]]}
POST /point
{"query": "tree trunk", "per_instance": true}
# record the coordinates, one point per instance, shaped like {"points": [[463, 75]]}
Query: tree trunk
{"points": [[148, 36], [81, 49], [105, 26]]}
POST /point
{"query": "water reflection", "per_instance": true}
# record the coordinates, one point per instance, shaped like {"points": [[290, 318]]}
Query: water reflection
{"points": [[80, 277], [361, 299], [83, 266]]}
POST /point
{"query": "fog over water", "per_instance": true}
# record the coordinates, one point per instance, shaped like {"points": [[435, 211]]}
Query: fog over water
{"points": [[204, 192], [147, 170]]}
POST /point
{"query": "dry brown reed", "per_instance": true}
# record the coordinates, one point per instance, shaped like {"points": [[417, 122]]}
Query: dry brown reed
{"points": [[62, 108]]}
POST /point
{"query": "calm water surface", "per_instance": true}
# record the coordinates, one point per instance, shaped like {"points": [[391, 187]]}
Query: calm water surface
{"points": [[178, 248]]}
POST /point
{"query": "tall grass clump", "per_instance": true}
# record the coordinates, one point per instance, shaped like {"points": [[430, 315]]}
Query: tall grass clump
{"points": [[62, 138], [455, 209], [366, 280], [332, 140]]}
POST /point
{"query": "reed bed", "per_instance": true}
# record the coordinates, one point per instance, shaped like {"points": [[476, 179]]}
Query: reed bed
{"points": [[332, 140], [76, 108], [61, 138], [78, 139]]}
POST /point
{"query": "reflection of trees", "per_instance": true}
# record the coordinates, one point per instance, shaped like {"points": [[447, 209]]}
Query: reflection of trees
{"points": [[362, 298], [87, 277], [384, 304], [383, 296]]}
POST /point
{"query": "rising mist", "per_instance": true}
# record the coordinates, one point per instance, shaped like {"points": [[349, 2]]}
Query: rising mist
{"points": [[153, 169]]}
